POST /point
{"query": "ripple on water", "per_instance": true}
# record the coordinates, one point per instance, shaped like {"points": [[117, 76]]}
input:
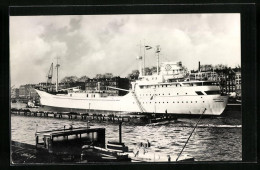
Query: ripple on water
{"points": [[206, 144]]}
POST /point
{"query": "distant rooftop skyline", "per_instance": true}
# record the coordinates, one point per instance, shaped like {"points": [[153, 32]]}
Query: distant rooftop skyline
{"points": [[93, 44]]}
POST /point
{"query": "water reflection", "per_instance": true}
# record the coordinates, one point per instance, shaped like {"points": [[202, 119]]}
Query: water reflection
{"points": [[213, 140]]}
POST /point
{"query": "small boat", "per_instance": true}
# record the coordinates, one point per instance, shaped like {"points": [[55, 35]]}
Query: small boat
{"points": [[114, 152]]}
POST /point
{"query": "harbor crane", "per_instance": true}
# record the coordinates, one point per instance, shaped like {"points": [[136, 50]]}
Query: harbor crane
{"points": [[49, 76]]}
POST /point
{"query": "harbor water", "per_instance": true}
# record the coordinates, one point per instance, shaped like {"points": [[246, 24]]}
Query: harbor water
{"points": [[215, 139]]}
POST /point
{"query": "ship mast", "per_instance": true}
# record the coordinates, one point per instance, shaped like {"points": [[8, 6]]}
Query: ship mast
{"points": [[144, 60], [140, 58], [57, 66], [158, 51]]}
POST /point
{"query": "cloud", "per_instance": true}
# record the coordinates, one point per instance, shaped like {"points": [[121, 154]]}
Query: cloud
{"points": [[88, 45]]}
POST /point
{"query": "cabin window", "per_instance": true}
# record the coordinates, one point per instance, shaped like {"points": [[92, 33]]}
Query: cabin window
{"points": [[186, 93], [199, 93], [177, 93], [94, 95], [87, 95], [70, 95], [169, 94]]}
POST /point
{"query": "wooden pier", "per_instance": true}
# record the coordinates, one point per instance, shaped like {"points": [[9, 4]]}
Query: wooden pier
{"points": [[96, 117]]}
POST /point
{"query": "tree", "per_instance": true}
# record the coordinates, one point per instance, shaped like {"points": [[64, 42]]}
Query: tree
{"points": [[83, 79], [206, 67], [106, 75], [134, 75], [69, 79]]}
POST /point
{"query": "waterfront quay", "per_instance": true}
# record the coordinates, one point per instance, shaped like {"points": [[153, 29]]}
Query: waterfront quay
{"points": [[97, 117]]}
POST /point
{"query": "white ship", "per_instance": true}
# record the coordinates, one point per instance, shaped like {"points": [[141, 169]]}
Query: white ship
{"points": [[168, 91]]}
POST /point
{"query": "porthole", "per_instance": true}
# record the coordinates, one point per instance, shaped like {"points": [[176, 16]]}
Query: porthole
{"points": [[191, 102], [182, 101], [167, 102], [172, 102], [163, 102], [162, 94], [203, 101], [196, 101], [177, 102], [159, 102], [177, 93], [169, 94], [186, 93], [186, 101]]}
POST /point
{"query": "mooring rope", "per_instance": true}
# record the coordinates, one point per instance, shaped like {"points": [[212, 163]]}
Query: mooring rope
{"points": [[191, 134]]}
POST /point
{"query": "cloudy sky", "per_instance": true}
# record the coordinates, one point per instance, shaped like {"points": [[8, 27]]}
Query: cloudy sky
{"points": [[92, 44]]}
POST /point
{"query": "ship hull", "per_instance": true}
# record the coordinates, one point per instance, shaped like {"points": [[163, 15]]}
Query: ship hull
{"points": [[178, 105]]}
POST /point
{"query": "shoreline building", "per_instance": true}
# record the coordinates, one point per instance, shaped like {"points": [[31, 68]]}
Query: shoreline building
{"points": [[101, 85]]}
